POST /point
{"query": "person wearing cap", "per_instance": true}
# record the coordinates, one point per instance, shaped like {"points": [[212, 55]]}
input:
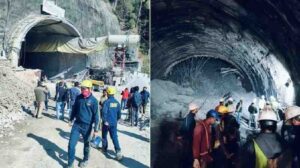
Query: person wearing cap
{"points": [[265, 149], [221, 104], [84, 115], [230, 105], [202, 140], [187, 131], [292, 117], [111, 113], [40, 98]]}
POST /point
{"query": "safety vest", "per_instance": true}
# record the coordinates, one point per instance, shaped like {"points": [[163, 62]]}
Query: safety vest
{"points": [[261, 160]]}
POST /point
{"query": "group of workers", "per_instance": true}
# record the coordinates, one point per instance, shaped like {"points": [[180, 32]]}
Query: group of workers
{"points": [[84, 116], [215, 142]]}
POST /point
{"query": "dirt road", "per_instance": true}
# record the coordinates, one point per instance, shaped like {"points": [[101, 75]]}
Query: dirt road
{"points": [[42, 143]]}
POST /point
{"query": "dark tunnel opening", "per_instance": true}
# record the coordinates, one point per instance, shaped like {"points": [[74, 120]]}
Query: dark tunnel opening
{"points": [[38, 51]]}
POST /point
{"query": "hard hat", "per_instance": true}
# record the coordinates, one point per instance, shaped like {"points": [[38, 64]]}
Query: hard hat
{"points": [[263, 97], [87, 83], [111, 90], [119, 46], [254, 100], [222, 109], [193, 106], [292, 112], [230, 99], [267, 115], [212, 113], [222, 100]]}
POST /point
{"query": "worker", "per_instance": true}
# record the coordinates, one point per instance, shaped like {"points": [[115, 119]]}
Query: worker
{"points": [[125, 95], [40, 98], [187, 131], [145, 99], [136, 103], [263, 150], [47, 97], [221, 103], [292, 117], [202, 140], [60, 98], [84, 115], [74, 92], [111, 113], [103, 98], [252, 109], [239, 110], [230, 105]]}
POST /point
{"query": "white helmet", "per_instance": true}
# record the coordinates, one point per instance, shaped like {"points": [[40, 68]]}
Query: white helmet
{"points": [[263, 97], [292, 112], [267, 115], [222, 100], [230, 99], [193, 106], [272, 98], [254, 100]]}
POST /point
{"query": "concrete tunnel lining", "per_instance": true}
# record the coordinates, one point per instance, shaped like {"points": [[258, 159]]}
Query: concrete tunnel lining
{"points": [[21, 29], [39, 27]]}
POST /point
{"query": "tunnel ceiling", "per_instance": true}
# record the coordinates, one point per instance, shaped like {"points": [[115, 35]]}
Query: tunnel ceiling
{"points": [[252, 35]]}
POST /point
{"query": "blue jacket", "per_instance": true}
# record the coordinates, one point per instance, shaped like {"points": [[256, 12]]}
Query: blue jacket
{"points": [[111, 111], [145, 96], [74, 92], [136, 99], [85, 110], [61, 94]]}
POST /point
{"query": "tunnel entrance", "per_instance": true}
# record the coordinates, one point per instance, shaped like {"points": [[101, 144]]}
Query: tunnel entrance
{"points": [[51, 63], [36, 39]]}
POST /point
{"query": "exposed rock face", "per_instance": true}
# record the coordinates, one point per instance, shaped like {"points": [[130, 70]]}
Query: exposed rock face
{"points": [[259, 38]]}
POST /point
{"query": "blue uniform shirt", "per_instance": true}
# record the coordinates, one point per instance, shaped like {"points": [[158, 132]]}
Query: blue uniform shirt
{"points": [[111, 111], [85, 110]]}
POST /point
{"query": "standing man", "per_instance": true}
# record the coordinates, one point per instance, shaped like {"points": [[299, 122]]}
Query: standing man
{"points": [[60, 97], [252, 110], [202, 140], [292, 117], [239, 110], [125, 95], [85, 113], [145, 99], [40, 98], [187, 131], [74, 92], [136, 103], [47, 97], [111, 113]]}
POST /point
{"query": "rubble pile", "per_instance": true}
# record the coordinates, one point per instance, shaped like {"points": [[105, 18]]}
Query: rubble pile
{"points": [[16, 97]]}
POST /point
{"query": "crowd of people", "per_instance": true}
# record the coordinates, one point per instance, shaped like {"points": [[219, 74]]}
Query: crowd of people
{"points": [[87, 115], [272, 140]]}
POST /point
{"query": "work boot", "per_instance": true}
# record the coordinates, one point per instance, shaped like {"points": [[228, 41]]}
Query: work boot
{"points": [[119, 155], [83, 164]]}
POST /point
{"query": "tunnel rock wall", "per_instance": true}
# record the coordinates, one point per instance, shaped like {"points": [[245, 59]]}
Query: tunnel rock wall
{"points": [[226, 30]]}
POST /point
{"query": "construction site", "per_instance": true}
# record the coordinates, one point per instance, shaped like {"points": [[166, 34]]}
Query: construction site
{"points": [[70, 41], [208, 52]]}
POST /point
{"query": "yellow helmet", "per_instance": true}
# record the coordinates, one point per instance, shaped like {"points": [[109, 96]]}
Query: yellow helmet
{"points": [[222, 109], [111, 90], [87, 83]]}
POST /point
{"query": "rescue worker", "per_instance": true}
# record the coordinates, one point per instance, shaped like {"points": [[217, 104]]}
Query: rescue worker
{"points": [[136, 103], [252, 109], [230, 105], [263, 150], [125, 95], [85, 113], [292, 117], [221, 103], [40, 98], [103, 98], [60, 98], [145, 99], [111, 113], [239, 110], [74, 92], [202, 140], [187, 131]]}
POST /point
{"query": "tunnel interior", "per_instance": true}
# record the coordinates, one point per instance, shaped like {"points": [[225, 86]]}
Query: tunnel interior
{"points": [[256, 40], [51, 63]]}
